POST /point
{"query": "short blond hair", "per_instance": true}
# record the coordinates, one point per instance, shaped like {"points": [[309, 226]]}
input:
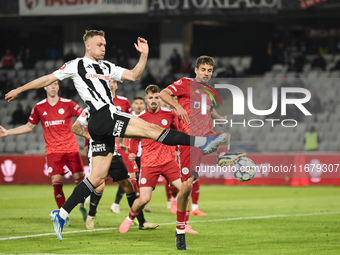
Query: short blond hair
{"points": [[91, 33], [204, 60]]}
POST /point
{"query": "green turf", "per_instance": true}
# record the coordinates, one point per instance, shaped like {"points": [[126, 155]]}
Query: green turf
{"points": [[241, 220]]}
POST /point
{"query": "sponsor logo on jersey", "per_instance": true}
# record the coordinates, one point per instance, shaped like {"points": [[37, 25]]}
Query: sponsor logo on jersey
{"points": [[97, 76], [61, 111], [54, 123], [98, 147], [45, 113], [197, 105], [143, 181], [118, 128], [197, 91], [89, 66], [164, 122], [185, 170]]}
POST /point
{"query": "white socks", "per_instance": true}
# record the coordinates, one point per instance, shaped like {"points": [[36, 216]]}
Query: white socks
{"points": [[199, 141], [63, 214], [194, 207]]}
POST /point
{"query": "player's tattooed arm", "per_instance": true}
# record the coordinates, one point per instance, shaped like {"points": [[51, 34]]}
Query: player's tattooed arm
{"points": [[78, 129]]}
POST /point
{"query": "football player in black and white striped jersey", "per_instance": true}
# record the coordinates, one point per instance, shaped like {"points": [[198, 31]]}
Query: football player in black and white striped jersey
{"points": [[91, 75]]}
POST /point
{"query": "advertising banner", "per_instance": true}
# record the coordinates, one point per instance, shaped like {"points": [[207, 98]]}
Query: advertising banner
{"points": [[80, 7], [271, 169], [211, 7]]}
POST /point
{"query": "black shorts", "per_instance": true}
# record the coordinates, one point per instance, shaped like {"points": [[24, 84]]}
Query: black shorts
{"points": [[118, 170], [104, 126]]}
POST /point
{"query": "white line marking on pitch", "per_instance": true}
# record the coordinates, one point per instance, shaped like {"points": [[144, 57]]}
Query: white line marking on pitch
{"points": [[172, 223]]}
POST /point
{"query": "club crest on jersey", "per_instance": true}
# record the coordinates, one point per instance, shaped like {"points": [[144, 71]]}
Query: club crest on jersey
{"points": [[63, 67], [197, 105], [61, 111], [164, 122], [185, 170]]}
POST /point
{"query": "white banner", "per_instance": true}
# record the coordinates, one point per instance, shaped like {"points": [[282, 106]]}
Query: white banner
{"points": [[79, 7]]}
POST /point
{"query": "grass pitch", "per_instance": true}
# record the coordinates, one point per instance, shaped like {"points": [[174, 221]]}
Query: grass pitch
{"points": [[241, 220]]}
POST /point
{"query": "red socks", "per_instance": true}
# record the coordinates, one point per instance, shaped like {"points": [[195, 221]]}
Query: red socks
{"points": [[58, 193], [180, 223], [195, 192]]}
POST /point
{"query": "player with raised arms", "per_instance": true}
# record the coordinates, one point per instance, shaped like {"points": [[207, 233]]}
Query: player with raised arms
{"points": [[91, 75]]}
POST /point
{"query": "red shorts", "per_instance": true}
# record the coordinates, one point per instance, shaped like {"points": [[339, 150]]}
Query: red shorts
{"points": [[189, 158], [57, 161], [131, 166], [149, 175]]}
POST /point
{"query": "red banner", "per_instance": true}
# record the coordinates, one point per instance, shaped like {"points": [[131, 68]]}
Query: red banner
{"points": [[272, 169]]}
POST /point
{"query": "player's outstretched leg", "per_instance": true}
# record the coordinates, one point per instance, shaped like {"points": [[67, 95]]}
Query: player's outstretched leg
{"points": [[58, 224]]}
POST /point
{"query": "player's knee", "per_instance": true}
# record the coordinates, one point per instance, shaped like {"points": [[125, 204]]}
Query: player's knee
{"points": [[145, 199], [100, 189], [186, 188], [128, 188], [228, 137]]}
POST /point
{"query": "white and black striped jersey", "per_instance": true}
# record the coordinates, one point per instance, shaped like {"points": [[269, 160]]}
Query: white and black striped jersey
{"points": [[91, 79]]}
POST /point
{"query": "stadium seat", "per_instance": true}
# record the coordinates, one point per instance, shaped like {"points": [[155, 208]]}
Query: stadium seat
{"points": [[21, 138], [333, 146], [11, 74], [335, 74], [246, 61], [313, 74], [21, 147], [33, 146], [5, 120], [49, 64], [31, 74], [59, 63], [39, 65], [273, 147], [297, 146], [31, 137], [262, 146], [2, 147], [41, 72], [21, 74], [41, 146], [235, 61], [285, 146], [328, 57], [10, 147]]}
